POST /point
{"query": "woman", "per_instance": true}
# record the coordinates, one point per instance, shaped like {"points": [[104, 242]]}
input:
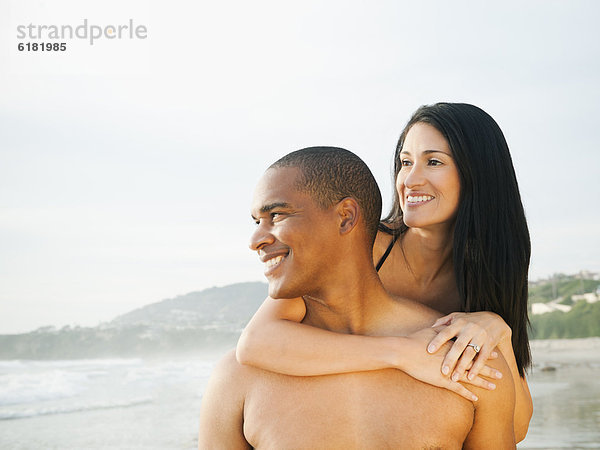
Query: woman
{"points": [[456, 239]]}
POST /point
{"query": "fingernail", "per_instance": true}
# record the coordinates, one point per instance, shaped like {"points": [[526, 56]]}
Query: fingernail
{"points": [[474, 398], [498, 375], [431, 348], [491, 385], [454, 376], [445, 370], [494, 354], [471, 376]]}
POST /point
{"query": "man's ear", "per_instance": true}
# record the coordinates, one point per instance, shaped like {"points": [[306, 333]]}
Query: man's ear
{"points": [[348, 212]]}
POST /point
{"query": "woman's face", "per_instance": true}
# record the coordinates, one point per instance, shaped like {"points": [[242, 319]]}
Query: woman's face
{"points": [[428, 183]]}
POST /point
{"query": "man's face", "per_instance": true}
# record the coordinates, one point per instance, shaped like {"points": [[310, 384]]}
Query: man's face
{"points": [[294, 236]]}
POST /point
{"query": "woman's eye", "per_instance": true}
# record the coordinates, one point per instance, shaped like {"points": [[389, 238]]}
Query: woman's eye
{"points": [[435, 162], [406, 163]]}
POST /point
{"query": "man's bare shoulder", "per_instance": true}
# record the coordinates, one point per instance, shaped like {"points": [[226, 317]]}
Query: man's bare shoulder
{"points": [[505, 388], [410, 315], [222, 408], [229, 369], [229, 379], [494, 412]]}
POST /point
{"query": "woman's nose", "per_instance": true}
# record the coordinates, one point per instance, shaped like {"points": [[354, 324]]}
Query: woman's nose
{"points": [[414, 177]]}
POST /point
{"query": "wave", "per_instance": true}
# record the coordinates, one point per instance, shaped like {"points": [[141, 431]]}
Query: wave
{"points": [[40, 386], [67, 409], [71, 363]]}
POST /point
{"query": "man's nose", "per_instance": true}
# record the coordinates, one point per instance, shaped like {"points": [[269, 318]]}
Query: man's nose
{"points": [[261, 237]]}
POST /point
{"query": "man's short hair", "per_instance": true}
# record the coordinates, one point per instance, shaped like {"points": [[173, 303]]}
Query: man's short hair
{"points": [[330, 174]]}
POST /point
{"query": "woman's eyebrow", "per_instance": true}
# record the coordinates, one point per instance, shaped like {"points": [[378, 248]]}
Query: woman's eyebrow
{"points": [[427, 152], [436, 151]]}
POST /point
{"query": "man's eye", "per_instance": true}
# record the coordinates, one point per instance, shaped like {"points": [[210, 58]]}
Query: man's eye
{"points": [[276, 215]]}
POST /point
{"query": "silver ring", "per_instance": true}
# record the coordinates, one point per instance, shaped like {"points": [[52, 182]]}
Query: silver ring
{"points": [[475, 347]]}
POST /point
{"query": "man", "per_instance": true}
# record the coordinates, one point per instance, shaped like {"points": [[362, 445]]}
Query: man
{"points": [[316, 212]]}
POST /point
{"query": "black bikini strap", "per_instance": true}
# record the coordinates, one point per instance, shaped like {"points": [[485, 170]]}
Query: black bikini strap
{"points": [[387, 252]]}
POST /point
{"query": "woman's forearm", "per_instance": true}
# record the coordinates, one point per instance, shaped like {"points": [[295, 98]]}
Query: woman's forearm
{"points": [[275, 340], [523, 402], [293, 348]]}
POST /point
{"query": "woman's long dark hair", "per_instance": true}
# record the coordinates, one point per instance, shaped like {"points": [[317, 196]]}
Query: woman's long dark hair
{"points": [[491, 248]]}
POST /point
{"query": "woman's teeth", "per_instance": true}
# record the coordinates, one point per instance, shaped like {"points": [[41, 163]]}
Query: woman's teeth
{"points": [[273, 261], [419, 198]]}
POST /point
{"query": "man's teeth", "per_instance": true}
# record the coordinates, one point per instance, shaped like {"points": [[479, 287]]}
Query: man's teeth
{"points": [[419, 198], [273, 261]]}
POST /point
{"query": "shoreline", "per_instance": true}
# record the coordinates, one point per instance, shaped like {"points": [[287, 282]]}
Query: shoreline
{"points": [[566, 352]]}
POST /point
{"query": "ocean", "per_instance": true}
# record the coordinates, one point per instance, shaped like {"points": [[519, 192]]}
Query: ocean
{"points": [[154, 404], [101, 404]]}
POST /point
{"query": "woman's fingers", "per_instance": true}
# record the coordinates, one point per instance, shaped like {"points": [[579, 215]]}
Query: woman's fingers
{"points": [[479, 363], [490, 372], [477, 349], [459, 348], [462, 391], [468, 356], [480, 382], [445, 334], [446, 320]]}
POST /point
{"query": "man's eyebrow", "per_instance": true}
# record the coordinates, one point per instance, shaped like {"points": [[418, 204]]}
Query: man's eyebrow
{"points": [[275, 205], [271, 206]]}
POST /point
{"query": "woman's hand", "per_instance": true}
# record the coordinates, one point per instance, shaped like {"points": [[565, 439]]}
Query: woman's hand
{"points": [[422, 366], [477, 335]]}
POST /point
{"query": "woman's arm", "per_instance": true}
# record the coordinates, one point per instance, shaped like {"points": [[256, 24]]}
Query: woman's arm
{"points": [[275, 340], [490, 332]]}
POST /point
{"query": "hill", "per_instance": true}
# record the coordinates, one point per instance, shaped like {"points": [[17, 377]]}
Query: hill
{"points": [[206, 321], [212, 319], [224, 308], [561, 287]]}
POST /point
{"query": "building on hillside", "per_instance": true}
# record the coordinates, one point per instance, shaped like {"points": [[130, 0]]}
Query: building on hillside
{"points": [[543, 308], [587, 275], [590, 297]]}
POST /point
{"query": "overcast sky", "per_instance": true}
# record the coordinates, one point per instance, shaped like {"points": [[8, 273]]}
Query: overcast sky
{"points": [[127, 166]]}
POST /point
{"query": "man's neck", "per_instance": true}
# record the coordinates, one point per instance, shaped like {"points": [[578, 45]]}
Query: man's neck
{"points": [[350, 304]]}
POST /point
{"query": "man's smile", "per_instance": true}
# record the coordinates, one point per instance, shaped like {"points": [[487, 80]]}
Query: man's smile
{"points": [[272, 261]]}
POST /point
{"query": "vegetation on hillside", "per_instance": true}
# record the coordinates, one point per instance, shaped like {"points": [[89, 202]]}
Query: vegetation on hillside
{"points": [[582, 321], [213, 319], [560, 286]]}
